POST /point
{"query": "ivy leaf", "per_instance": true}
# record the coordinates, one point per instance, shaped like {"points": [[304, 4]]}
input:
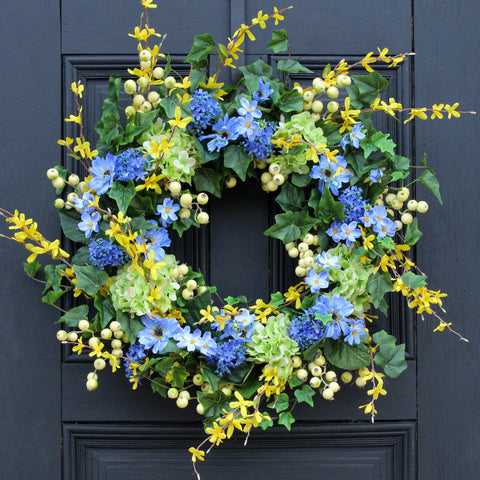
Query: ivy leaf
{"points": [[204, 153], [290, 197], [237, 159], [51, 297], [192, 307], [181, 225], [89, 279], [211, 377], [290, 101], [378, 285], [213, 403], [429, 179], [378, 141], [265, 423], [106, 310], [412, 233], [305, 394], [31, 269], [201, 47], [311, 352], [365, 89], [69, 220], [401, 163], [252, 72], [286, 419], [292, 66], [390, 357], [345, 356], [300, 180], [122, 194], [208, 180], [328, 208], [280, 403], [279, 41], [414, 281], [82, 256], [179, 375], [276, 299], [291, 226], [53, 277], [130, 325], [236, 300], [74, 315]]}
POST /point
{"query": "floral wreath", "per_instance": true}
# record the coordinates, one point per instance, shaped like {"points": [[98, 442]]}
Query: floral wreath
{"points": [[348, 221]]}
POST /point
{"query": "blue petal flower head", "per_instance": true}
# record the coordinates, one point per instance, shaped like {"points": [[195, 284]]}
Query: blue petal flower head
{"points": [[249, 107], [131, 165], [335, 231], [316, 281], [331, 174], [351, 232], [375, 175], [356, 135], [102, 170], [327, 262], [356, 329], [157, 332], [167, 211], [226, 129], [306, 330], [193, 341], [336, 310], [264, 91], [104, 253], [259, 144], [247, 126], [135, 354], [208, 345], [89, 223], [385, 227], [157, 239], [83, 204]]}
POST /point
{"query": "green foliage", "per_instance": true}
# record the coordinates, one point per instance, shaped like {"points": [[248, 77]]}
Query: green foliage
{"points": [[291, 226], [305, 394], [89, 279], [412, 233], [292, 66], [122, 194], [290, 197], [202, 46], [69, 220], [31, 269], [208, 180], [390, 357], [213, 403], [365, 89], [345, 356], [237, 159], [378, 285], [429, 179], [286, 419], [414, 281], [130, 325], [74, 315], [280, 403], [279, 41]]}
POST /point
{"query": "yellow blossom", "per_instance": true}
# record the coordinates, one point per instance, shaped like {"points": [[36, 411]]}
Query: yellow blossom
{"points": [[293, 295], [75, 118], [260, 20], [441, 326], [216, 434], [77, 89], [197, 454], [79, 346], [367, 60], [417, 112], [451, 110], [178, 122], [151, 183], [67, 142], [96, 350], [148, 4], [437, 111], [242, 404], [207, 315], [382, 55]]}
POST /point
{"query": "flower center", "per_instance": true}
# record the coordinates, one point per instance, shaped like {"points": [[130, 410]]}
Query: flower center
{"points": [[158, 332]]}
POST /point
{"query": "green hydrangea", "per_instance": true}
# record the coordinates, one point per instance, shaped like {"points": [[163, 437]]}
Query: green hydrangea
{"points": [[132, 292], [272, 345]]}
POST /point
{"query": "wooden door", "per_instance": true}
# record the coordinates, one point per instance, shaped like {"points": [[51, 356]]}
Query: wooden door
{"points": [[52, 427]]}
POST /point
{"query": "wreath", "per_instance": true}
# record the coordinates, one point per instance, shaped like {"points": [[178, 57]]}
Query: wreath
{"points": [[348, 222]]}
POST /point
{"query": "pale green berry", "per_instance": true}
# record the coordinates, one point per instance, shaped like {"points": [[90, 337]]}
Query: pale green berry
{"points": [[115, 326], [403, 194], [332, 107], [315, 242], [52, 173], [379, 202], [278, 179], [145, 107], [182, 402], [202, 289], [362, 372], [59, 182], [59, 203], [302, 247], [186, 200], [99, 364], [412, 205], [172, 393], [138, 100], [143, 82], [332, 92], [397, 204], [422, 207], [227, 391], [170, 82], [83, 325], [317, 106], [192, 285], [398, 225], [274, 168], [197, 379], [334, 386], [308, 261], [116, 343], [271, 186], [184, 213], [308, 96], [360, 382], [72, 337], [117, 352], [315, 382], [390, 212], [130, 111], [289, 245], [407, 218], [92, 376], [293, 252], [344, 81], [203, 218], [318, 85], [62, 335], [73, 180], [327, 393], [202, 198], [183, 269], [92, 384], [175, 188], [106, 334], [299, 89], [319, 360], [301, 263], [206, 388], [145, 65], [93, 342], [346, 377], [118, 334], [266, 177], [307, 106], [231, 182], [390, 198], [296, 362], [300, 272], [308, 239], [158, 73], [184, 394], [130, 87], [315, 117], [302, 374], [71, 196], [187, 294], [200, 409], [317, 371], [330, 376], [145, 56]]}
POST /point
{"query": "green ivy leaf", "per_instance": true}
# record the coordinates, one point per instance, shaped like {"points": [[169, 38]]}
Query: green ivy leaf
{"points": [[51, 297], [276, 299], [412, 233], [31, 269], [290, 197], [211, 377], [279, 41], [204, 153], [179, 375], [300, 180], [414, 281], [286, 419], [74, 315], [192, 307], [365, 89], [390, 357], [82, 256], [158, 386], [53, 277], [181, 225], [264, 424], [130, 325], [290, 101], [69, 220], [208, 180], [237, 159], [429, 179], [201, 47], [106, 310], [378, 285], [280, 403], [122, 194], [329, 208], [252, 72], [345, 356], [89, 279], [311, 352], [305, 394], [213, 403], [236, 300], [292, 66], [378, 141], [291, 226]]}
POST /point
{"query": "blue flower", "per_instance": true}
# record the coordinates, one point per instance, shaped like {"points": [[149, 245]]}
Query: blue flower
{"points": [[102, 170], [228, 355], [316, 281], [331, 174], [264, 91], [249, 108], [327, 262], [375, 175], [157, 332], [351, 232], [353, 203], [205, 109], [134, 354], [356, 329], [158, 238], [259, 144], [131, 165], [385, 227], [226, 129], [194, 341], [353, 137], [89, 223], [335, 311], [335, 231], [239, 327], [167, 211], [306, 330], [84, 203], [104, 253], [247, 126]]}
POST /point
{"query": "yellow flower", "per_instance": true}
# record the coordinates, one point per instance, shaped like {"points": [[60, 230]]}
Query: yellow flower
{"points": [[367, 60], [417, 112], [151, 183], [451, 110], [178, 122], [207, 315], [79, 346], [260, 20], [197, 454], [437, 111], [96, 351], [242, 404], [185, 84], [148, 4], [441, 326], [382, 55], [216, 434], [75, 118], [77, 89], [293, 295], [277, 15], [68, 141]]}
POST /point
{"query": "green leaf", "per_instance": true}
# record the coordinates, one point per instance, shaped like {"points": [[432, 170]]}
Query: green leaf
{"points": [[378, 285], [169, 104], [429, 179], [292, 66], [74, 315], [181, 225], [300, 180], [390, 357], [158, 387], [345, 356], [130, 325], [31, 269], [401, 163], [108, 125], [82, 256], [279, 41], [51, 297], [280, 403], [252, 72], [276, 299], [264, 424], [237, 159], [412, 233], [378, 141], [202, 46], [122, 194], [53, 277], [179, 375], [213, 403], [305, 395], [208, 180], [311, 352], [164, 366], [291, 226], [294, 381], [239, 374], [236, 300], [365, 89], [329, 208], [69, 220], [210, 376], [290, 101], [89, 279], [290, 197], [196, 78], [286, 419], [106, 310], [249, 387], [414, 281], [192, 307], [204, 153]]}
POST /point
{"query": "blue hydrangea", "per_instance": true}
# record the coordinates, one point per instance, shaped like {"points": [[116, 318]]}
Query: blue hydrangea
{"points": [[259, 144], [135, 354], [104, 253], [227, 356], [131, 165], [353, 203], [306, 330], [205, 110]]}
